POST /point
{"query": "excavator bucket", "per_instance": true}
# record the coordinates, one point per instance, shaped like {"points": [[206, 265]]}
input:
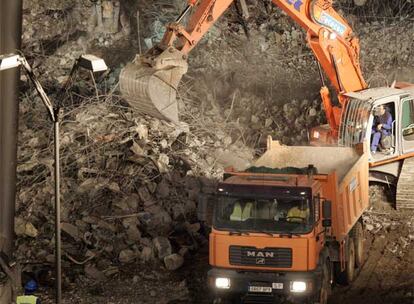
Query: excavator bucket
{"points": [[150, 83]]}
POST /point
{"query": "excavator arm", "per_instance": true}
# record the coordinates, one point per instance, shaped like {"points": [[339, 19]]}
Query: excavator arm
{"points": [[328, 34]]}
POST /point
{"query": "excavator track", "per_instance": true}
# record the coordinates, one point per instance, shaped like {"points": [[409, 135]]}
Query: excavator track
{"points": [[405, 186]]}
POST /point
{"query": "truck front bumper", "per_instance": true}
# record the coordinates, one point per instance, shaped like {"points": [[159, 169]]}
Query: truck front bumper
{"points": [[252, 286]]}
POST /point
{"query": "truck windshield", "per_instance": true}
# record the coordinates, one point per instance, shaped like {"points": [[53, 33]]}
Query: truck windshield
{"points": [[290, 215]]}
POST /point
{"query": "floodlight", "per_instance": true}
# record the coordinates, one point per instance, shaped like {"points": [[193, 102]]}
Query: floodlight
{"points": [[9, 61], [92, 63]]}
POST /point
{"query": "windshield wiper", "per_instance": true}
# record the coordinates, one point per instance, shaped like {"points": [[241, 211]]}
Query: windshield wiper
{"points": [[288, 234], [265, 232], [237, 232]]}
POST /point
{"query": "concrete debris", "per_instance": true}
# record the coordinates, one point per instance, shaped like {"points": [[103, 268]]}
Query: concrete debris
{"points": [[147, 254], [93, 273], [71, 230], [22, 227], [173, 261], [162, 246], [127, 256]]}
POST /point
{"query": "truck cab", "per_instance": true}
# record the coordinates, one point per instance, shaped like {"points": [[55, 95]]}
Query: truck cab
{"points": [[255, 232], [279, 226]]}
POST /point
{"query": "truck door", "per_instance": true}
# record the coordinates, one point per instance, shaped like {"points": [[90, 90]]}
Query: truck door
{"points": [[407, 125]]}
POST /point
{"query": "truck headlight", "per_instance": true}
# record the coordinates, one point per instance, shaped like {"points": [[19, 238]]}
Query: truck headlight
{"points": [[223, 283], [298, 286]]}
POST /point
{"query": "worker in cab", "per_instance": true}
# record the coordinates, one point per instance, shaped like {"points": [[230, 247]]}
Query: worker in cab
{"points": [[242, 211], [381, 127], [298, 214], [29, 298]]}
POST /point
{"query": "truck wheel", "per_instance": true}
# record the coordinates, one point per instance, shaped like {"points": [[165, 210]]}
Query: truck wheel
{"points": [[358, 236], [326, 287], [350, 264], [222, 301], [347, 276]]}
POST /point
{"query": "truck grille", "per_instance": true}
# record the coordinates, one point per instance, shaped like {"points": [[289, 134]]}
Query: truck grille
{"points": [[267, 257]]}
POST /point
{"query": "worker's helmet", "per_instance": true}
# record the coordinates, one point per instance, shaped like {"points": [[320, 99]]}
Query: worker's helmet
{"points": [[30, 287]]}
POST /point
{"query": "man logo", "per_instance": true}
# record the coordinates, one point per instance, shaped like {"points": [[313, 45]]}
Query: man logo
{"points": [[260, 254], [260, 261]]}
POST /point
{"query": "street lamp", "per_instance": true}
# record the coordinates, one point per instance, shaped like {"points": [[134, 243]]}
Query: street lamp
{"points": [[89, 62]]}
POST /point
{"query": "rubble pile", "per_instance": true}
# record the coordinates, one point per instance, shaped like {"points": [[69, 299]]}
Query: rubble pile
{"points": [[129, 187], [130, 182], [48, 25], [381, 224], [251, 118], [384, 63], [382, 221]]}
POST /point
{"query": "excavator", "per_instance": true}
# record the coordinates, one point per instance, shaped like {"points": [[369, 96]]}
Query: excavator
{"points": [[150, 84]]}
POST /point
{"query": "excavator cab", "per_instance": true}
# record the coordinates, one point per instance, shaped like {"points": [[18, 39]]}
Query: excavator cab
{"points": [[361, 120], [395, 142]]}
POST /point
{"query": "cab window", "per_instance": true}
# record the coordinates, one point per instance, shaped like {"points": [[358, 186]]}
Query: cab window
{"points": [[407, 122]]}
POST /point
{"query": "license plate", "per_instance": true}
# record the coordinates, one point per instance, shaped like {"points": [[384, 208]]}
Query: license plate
{"points": [[260, 289], [277, 285]]}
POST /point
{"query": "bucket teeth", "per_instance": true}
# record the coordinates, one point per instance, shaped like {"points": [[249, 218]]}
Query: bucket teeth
{"points": [[150, 85]]}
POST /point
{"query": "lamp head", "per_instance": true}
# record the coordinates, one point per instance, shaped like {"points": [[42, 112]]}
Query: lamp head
{"points": [[9, 61]]}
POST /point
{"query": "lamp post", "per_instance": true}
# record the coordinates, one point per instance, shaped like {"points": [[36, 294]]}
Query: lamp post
{"points": [[10, 39], [89, 62]]}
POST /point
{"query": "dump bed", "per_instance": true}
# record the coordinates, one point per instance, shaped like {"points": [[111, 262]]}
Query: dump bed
{"points": [[342, 172]]}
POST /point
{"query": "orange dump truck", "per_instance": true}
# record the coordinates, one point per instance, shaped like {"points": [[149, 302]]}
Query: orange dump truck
{"points": [[288, 227]]}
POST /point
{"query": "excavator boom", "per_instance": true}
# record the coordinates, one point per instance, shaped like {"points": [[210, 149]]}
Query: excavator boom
{"points": [[150, 82]]}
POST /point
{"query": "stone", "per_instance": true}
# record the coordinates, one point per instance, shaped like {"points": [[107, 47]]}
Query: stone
{"points": [[173, 261], [162, 246], [369, 227], [163, 189], [147, 254], [142, 131], [93, 273], [19, 226], [127, 256], [184, 251], [133, 234], [30, 230], [71, 230], [144, 194], [156, 224]]}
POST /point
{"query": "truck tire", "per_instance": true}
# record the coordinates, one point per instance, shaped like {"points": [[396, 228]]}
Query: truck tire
{"points": [[326, 287], [219, 300], [347, 276], [358, 237], [350, 261]]}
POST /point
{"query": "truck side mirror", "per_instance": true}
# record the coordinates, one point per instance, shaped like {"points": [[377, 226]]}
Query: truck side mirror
{"points": [[205, 208], [327, 213]]}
